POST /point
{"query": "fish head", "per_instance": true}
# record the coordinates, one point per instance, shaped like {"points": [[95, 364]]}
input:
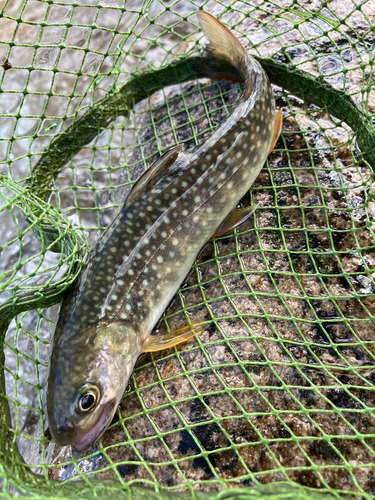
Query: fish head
{"points": [[86, 383]]}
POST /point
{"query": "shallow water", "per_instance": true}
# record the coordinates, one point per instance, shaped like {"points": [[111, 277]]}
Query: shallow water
{"points": [[292, 345]]}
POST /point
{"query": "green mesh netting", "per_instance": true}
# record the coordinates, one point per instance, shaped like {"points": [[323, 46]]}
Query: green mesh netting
{"points": [[277, 397]]}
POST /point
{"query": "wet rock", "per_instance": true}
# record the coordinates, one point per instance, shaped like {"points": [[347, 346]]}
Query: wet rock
{"points": [[283, 378]]}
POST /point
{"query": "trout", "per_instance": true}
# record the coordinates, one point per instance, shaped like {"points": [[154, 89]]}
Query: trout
{"points": [[137, 266]]}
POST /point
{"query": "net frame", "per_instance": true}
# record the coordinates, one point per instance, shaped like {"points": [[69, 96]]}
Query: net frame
{"points": [[298, 16]]}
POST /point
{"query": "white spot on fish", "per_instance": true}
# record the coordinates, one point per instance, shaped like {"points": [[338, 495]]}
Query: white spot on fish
{"points": [[160, 259], [239, 154], [163, 234], [128, 307]]}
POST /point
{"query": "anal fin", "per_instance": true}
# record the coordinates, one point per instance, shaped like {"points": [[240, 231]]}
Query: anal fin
{"points": [[277, 129], [163, 341], [234, 219]]}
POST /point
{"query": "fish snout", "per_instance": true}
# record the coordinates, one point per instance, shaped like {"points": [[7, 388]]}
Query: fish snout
{"points": [[66, 426], [63, 432]]}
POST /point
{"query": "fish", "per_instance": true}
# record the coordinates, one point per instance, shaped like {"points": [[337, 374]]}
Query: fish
{"points": [[132, 273]]}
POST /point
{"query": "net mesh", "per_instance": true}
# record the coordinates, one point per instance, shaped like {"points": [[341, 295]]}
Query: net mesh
{"points": [[280, 389]]}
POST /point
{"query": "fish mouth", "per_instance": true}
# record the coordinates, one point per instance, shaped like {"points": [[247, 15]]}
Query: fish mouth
{"points": [[97, 429]]}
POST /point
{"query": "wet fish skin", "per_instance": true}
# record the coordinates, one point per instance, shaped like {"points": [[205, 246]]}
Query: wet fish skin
{"points": [[138, 265]]}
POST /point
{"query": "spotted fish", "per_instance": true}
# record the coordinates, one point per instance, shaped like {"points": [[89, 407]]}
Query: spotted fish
{"points": [[137, 266]]}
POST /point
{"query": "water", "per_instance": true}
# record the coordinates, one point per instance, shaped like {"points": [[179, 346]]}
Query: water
{"points": [[290, 181]]}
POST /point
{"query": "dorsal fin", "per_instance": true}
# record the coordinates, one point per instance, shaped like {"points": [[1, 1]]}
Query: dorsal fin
{"points": [[153, 175]]}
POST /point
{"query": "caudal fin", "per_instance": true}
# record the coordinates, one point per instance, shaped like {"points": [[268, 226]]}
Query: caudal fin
{"points": [[224, 44]]}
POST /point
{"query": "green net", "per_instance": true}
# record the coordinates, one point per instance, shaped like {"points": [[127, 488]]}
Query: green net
{"points": [[278, 395]]}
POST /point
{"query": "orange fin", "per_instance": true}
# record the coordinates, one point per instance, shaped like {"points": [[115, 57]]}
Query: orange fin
{"points": [[234, 219], [277, 129], [162, 341]]}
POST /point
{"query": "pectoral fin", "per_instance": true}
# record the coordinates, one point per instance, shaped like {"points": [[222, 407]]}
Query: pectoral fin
{"points": [[153, 175], [277, 129], [234, 219], [159, 342]]}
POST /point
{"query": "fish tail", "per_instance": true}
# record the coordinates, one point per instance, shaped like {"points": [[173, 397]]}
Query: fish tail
{"points": [[224, 44]]}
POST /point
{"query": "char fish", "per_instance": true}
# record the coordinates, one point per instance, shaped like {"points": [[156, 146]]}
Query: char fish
{"points": [[135, 269]]}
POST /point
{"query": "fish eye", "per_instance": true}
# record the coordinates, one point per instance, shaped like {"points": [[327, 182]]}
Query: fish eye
{"points": [[88, 399]]}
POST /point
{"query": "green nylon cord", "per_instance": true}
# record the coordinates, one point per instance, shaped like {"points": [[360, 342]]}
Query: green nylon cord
{"points": [[280, 389]]}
